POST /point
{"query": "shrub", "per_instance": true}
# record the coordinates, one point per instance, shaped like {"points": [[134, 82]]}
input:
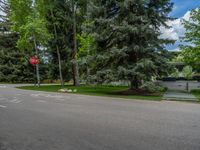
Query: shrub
{"points": [[175, 73], [196, 77], [187, 72], [181, 78], [169, 79], [153, 88]]}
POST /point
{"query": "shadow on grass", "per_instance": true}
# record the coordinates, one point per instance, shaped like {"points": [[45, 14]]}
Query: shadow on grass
{"points": [[109, 91], [196, 93]]}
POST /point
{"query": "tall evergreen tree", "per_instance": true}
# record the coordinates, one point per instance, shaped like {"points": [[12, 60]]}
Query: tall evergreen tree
{"points": [[64, 22], [14, 66], [59, 24], [127, 35]]}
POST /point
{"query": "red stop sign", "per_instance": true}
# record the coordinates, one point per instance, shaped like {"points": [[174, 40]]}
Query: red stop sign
{"points": [[34, 60]]}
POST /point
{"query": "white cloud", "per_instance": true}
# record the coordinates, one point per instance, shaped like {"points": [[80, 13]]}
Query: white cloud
{"points": [[169, 33], [187, 16], [175, 49], [177, 29]]}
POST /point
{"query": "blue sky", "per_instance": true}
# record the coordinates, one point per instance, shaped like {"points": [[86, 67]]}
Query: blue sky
{"points": [[182, 6], [180, 11]]}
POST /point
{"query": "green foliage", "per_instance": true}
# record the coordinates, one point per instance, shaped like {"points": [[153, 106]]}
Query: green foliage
{"points": [[191, 52], [196, 93], [60, 21], [34, 28], [116, 39], [86, 39], [178, 58], [59, 25], [13, 64], [29, 24], [175, 73], [86, 44], [187, 72], [87, 48], [191, 55], [152, 87], [127, 36], [108, 91], [20, 11]]}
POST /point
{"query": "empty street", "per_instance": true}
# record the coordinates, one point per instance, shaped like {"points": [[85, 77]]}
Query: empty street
{"points": [[50, 121]]}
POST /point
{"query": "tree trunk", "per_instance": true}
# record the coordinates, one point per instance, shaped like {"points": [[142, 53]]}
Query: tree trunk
{"points": [[60, 67], [88, 75], [187, 86], [37, 66], [58, 53], [38, 75], [74, 53], [135, 83]]}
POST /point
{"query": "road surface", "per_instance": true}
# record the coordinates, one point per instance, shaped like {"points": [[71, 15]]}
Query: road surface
{"points": [[50, 121]]}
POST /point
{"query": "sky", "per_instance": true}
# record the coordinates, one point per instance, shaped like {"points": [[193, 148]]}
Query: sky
{"points": [[180, 11], [182, 6]]}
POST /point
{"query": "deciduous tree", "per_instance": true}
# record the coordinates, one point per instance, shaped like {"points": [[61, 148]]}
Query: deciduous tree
{"points": [[191, 52]]}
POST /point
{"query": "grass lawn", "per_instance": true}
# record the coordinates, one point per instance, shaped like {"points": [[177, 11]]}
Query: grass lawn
{"points": [[196, 93], [109, 91]]}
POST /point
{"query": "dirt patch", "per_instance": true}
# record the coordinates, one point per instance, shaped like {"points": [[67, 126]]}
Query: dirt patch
{"points": [[138, 92]]}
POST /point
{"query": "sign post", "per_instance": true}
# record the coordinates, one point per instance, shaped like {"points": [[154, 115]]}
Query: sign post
{"points": [[35, 62]]}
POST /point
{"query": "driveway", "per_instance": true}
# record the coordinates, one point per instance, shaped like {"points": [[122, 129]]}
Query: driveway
{"points": [[180, 85], [31, 120]]}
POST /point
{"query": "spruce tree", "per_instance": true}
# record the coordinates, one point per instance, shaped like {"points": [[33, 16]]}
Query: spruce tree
{"points": [[14, 66], [59, 24], [64, 23], [127, 36]]}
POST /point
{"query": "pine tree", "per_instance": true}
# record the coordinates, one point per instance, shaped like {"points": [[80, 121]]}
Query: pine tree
{"points": [[127, 37], [64, 23], [14, 66], [59, 24]]}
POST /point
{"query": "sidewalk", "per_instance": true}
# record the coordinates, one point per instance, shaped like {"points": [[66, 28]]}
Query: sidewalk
{"points": [[179, 95]]}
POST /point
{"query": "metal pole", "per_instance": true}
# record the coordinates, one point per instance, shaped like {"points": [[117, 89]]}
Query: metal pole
{"points": [[35, 76], [37, 66]]}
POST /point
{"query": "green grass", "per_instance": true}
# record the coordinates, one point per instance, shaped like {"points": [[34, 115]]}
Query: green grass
{"points": [[196, 93], [108, 91]]}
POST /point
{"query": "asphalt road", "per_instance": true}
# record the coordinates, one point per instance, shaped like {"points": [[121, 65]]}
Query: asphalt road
{"points": [[50, 121]]}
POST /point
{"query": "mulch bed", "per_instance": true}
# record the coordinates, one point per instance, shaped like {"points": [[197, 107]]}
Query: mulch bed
{"points": [[138, 92]]}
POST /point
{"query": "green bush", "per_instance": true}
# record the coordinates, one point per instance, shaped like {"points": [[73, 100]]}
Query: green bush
{"points": [[153, 88], [187, 72]]}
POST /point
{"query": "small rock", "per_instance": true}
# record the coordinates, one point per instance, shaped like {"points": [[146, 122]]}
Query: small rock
{"points": [[67, 90], [63, 90], [70, 91]]}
